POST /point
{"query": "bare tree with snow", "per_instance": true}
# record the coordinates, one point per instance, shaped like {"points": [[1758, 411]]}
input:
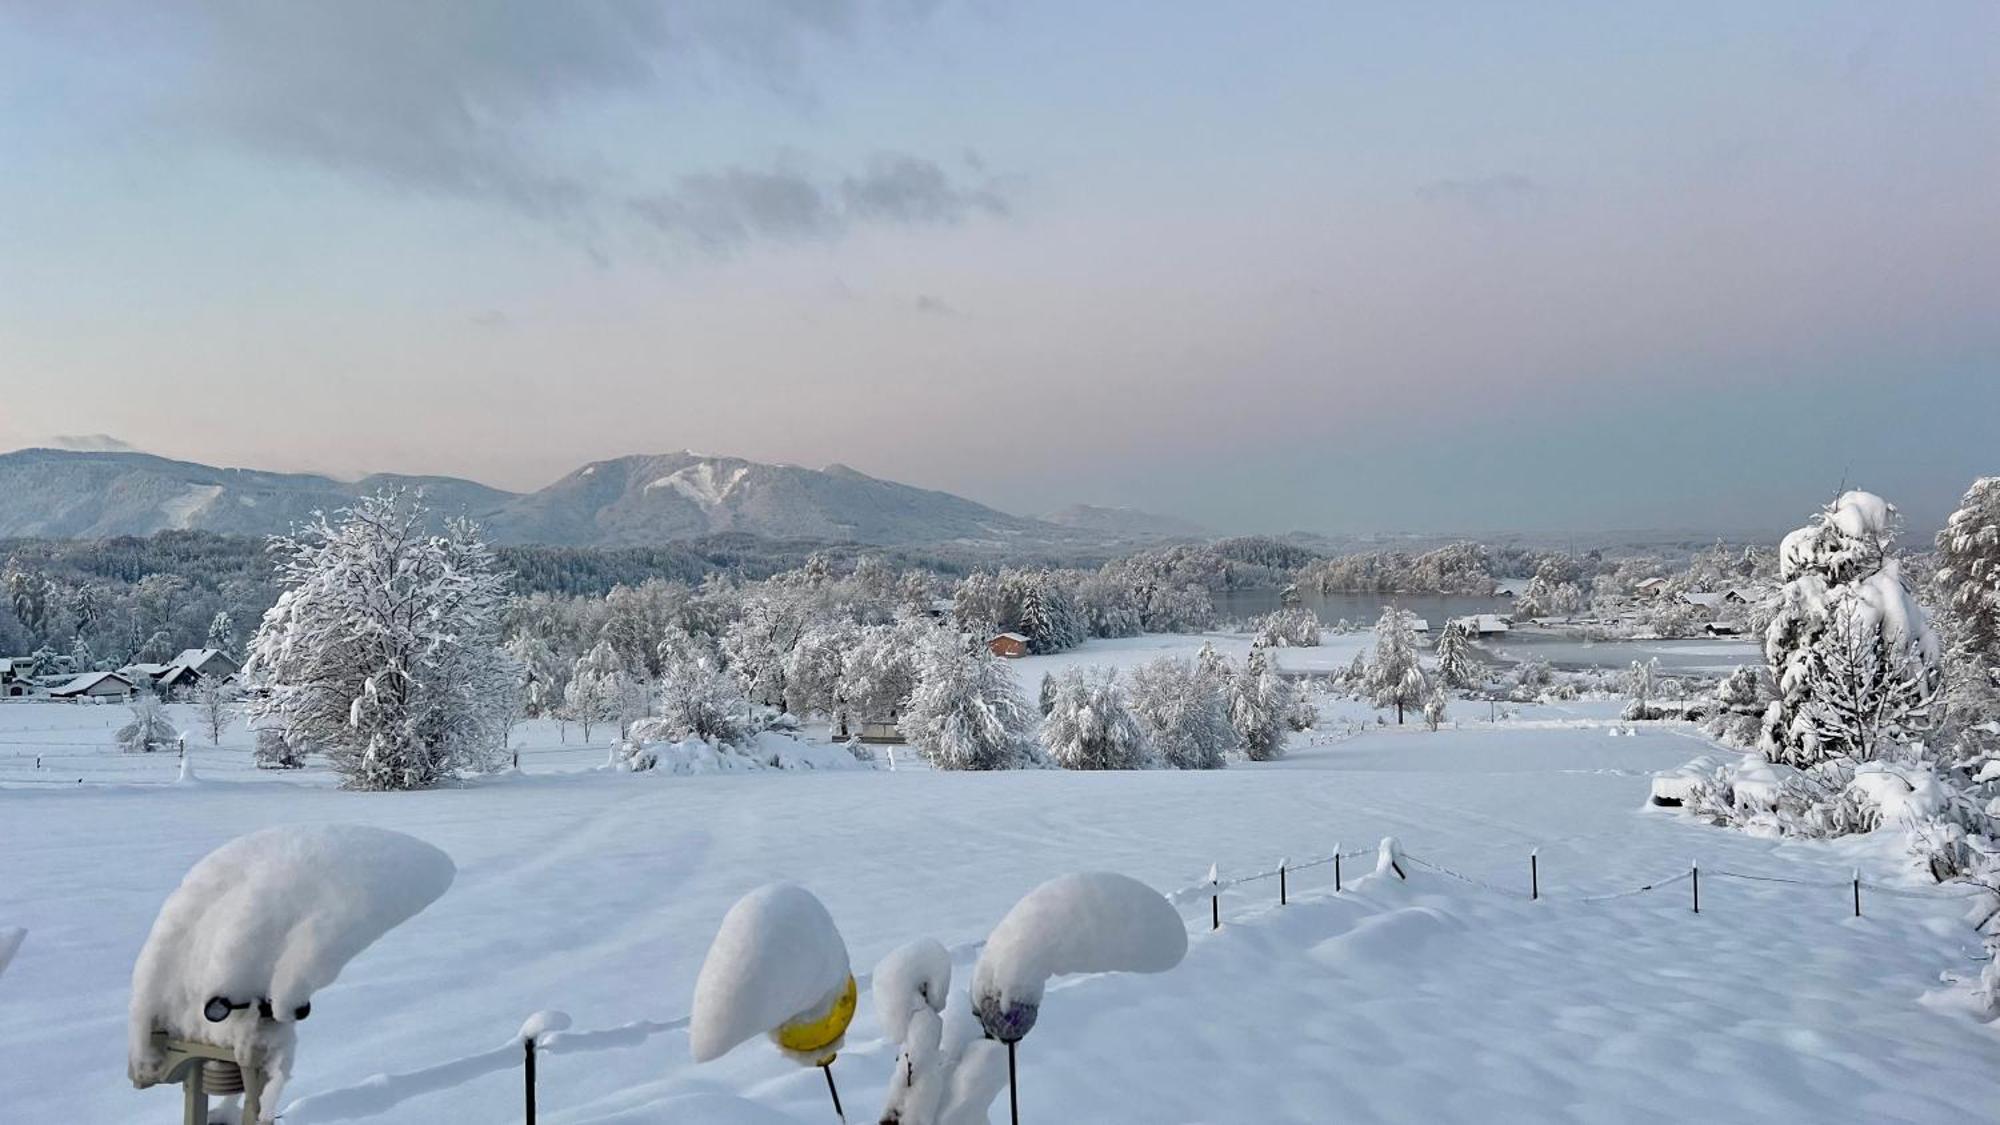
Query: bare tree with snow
{"points": [[1184, 714], [215, 703], [966, 711], [383, 649], [150, 731]]}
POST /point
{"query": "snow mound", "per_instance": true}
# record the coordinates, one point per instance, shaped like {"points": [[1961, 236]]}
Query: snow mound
{"points": [[1091, 922], [777, 960], [769, 750], [262, 923], [1675, 787], [1901, 794], [10, 944]]}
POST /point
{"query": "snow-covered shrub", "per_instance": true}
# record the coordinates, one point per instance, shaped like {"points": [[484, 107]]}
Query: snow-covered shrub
{"points": [[1184, 714], [1091, 727], [149, 731], [276, 752], [966, 710], [1434, 708], [383, 651], [695, 700], [1740, 700], [1291, 627]]}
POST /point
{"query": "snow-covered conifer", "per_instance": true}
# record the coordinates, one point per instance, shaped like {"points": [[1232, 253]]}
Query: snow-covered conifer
{"points": [[1845, 612], [222, 632], [1090, 725], [966, 711], [1394, 679], [383, 650], [1047, 699], [1968, 585], [1184, 714], [1259, 702], [1455, 665]]}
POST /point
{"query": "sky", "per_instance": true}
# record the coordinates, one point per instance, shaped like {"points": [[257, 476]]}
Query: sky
{"points": [[1338, 267]]}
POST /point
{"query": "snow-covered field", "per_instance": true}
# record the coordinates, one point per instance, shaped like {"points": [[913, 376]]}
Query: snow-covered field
{"points": [[597, 893]]}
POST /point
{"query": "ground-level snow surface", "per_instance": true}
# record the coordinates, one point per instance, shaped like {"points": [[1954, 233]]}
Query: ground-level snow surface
{"points": [[597, 893]]}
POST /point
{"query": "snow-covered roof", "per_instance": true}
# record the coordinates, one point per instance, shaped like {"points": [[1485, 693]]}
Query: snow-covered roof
{"points": [[1706, 601], [1649, 583], [150, 671], [1010, 637], [87, 681], [1485, 623], [16, 664]]}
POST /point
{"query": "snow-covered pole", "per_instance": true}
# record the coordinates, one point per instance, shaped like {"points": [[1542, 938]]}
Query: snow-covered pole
{"points": [[531, 1034], [1534, 875], [1857, 892], [1214, 901], [528, 1079], [1282, 900], [1336, 867], [1694, 870]]}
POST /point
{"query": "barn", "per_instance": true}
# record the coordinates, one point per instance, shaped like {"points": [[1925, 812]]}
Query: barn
{"points": [[1013, 646]]}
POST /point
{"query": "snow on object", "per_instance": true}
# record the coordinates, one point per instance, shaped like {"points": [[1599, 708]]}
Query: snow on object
{"points": [[262, 923], [187, 776], [778, 966], [1901, 794], [1673, 788], [912, 978], [542, 1024], [1389, 857], [10, 944], [1090, 922], [1757, 782]]}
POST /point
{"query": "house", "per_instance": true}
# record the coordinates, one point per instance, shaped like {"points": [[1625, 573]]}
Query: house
{"points": [[94, 685], [16, 676], [207, 663], [1013, 646], [1649, 587], [1484, 624], [177, 681], [1710, 602], [142, 674]]}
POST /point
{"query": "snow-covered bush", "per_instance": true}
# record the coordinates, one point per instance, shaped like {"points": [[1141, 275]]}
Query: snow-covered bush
{"points": [[1740, 701], [149, 731], [966, 710], [695, 700], [383, 650], [1291, 627], [1260, 700], [1184, 714], [1090, 725], [276, 752], [1435, 705]]}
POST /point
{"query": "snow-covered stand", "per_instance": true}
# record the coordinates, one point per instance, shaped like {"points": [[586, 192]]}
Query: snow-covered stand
{"points": [[253, 931]]}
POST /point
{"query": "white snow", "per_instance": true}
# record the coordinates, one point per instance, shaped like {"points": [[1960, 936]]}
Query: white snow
{"points": [[180, 510], [596, 893], [701, 483], [270, 919], [1090, 922], [543, 1024], [777, 957], [912, 978]]}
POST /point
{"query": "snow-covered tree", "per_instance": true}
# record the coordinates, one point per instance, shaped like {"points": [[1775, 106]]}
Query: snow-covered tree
{"points": [[1291, 627], [1260, 700], [1213, 666], [222, 632], [149, 731], [1394, 678], [383, 650], [1047, 698], [1845, 612], [1184, 713], [1968, 585], [600, 689], [540, 674], [1642, 684], [879, 670], [1456, 667], [966, 711], [1090, 725], [814, 667], [696, 700], [215, 702]]}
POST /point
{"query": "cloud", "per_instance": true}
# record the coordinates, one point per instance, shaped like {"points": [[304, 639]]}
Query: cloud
{"points": [[723, 211], [937, 306], [1486, 196]]}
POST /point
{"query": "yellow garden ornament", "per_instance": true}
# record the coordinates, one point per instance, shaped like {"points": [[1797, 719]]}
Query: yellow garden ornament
{"points": [[815, 1037]]}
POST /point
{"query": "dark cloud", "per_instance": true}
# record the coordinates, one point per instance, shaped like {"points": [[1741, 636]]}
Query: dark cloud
{"points": [[721, 211]]}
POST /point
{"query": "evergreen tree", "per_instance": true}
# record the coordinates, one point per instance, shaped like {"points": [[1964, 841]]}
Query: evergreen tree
{"points": [[1394, 679], [1260, 700], [222, 632], [1456, 667], [1968, 585], [1184, 713]]}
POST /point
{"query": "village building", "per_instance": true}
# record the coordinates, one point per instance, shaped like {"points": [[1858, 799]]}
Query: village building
{"points": [[16, 676], [1013, 646], [94, 685]]}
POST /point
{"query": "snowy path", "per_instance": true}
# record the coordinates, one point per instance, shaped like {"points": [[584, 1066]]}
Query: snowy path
{"points": [[597, 895]]}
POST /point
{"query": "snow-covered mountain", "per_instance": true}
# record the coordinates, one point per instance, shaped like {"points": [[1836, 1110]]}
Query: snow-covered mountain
{"points": [[626, 501], [1125, 523]]}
